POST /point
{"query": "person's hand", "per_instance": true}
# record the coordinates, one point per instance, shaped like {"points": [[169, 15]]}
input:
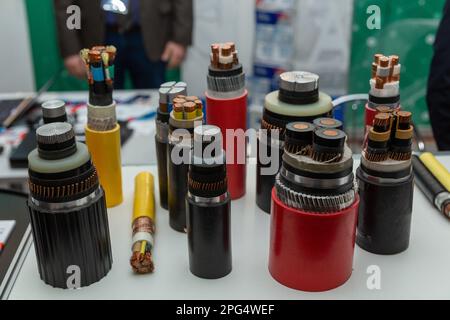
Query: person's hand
{"points": [[75, 66], [173, 54]]}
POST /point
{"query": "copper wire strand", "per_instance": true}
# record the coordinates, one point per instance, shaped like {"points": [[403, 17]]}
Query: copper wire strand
{"points": [[207, 186], [142, 262], [60, 192], [377, 157], [400, 156], [326, 157], [270, 127]]}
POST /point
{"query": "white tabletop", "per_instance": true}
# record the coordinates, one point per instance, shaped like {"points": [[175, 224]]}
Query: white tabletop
{"points": [[419, 273]]}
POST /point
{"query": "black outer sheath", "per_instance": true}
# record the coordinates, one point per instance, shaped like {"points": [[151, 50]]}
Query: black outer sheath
{"points": [[78, 237], [299, 98], [209, 239], [62, 118], [219, 73], [426, 181], [384, 101], [177, 188], [385, 212], [161, 156], [265, 182]]}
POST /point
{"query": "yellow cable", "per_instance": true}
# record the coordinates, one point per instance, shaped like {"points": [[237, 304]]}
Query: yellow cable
{"points": [[104, 147], [437, 169], [144, 199]]}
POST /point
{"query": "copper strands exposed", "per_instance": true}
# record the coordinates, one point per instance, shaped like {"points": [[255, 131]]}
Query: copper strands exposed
{"points": [[224, 56], [187, 108], [265, 125], [99, 62], [143, 224], [385, 76], [325, 144], [379, 136], [402, 136], [141, 259], [390, 137], [225, 74]]}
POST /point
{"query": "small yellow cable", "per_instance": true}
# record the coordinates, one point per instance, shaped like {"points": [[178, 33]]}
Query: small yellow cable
{"points": [[143, 224], [437, 169], [144, 199]]}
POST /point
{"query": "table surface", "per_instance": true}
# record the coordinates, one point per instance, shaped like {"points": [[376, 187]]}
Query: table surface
{"points": [[421, 272]]}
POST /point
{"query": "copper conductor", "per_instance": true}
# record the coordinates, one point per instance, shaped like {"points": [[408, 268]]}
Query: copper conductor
{"points": [[331, 133], [191, 98], [382, 120], [377, 57], [404, 117], [394, 60], [198, 104], [221, 52], [232, 46], [178, 100], [374, 70], [379, 83], [301, 126], [189, 106], [383, 109], [178, 107], [215, 48], [447, 210], [226, 51], [142, 263], [328, 122], [384, 62], [95, 56]]}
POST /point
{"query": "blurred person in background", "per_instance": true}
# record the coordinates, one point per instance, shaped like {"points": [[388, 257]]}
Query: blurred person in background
{"points": [[153, 36], [438, 95]]}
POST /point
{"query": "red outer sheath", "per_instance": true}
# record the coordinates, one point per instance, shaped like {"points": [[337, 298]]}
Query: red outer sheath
{"points": [[370, 115], [311, 252], [230, 114]]}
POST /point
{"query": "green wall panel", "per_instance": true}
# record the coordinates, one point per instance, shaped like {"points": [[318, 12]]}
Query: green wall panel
{"points": [[407, 29], [45, 50]]}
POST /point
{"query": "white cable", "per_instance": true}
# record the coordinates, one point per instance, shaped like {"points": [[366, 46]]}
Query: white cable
{"points": [[349, 98]]}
